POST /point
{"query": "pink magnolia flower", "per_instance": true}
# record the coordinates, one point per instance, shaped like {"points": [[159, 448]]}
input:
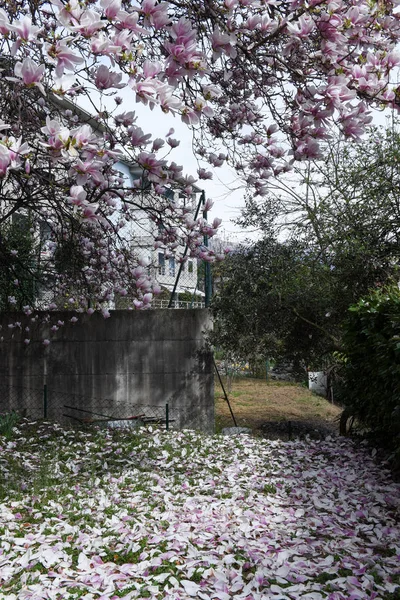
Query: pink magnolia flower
{"points": [[150, 162], [5, 160], [338, 91], [145, 91], [223, 43], [89, 23], [216, 223], [111, 8], [352, 128], [4, 22], [125, 119], [100, 43], [208, 205], [17, 149], [304, 26], [30, 73], [168, 102], [189, 116], [147, 298], [156, 14], [83, 136], [121, 42], [129, 21], [77, 195], [24, 29], [88, 170], [89, 213], [202, 107], [215, 160], [158, 143], [151, 68], [211, 91], [58, 135], [203, 174], [138, 137], [105, 79], [173, 142], [63, 56], [69, 12]]}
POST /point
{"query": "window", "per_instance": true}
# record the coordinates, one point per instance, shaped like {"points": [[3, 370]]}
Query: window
{"points": [[172, 267], [161, 263], [190, 266], [45, 231]]}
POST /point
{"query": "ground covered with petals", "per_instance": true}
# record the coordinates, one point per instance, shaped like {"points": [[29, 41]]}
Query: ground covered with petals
{"points": [[177, 515]]}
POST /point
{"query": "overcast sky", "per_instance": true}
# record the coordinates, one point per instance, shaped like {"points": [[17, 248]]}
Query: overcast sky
{"points": [[225, 188]]}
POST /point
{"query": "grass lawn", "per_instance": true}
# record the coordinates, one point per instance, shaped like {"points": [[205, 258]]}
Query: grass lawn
{"points": [[256, 401], [107, 514]]}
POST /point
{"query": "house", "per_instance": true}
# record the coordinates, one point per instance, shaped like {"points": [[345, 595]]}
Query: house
{"points": [[175, 271]]}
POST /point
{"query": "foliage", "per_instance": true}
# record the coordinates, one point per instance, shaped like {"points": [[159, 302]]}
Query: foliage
{"points": [[19, 265], [341, 221], [282, 301], [7, 423], [371, 347]]}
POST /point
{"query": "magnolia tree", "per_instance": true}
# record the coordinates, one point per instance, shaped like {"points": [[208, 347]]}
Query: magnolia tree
{"points": [[259, 82]]}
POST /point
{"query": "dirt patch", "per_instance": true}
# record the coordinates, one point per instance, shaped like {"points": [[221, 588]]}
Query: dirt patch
{"points": [[276, 410]]}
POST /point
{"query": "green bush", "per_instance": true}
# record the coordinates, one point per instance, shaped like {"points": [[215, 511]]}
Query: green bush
{"points": [[371, 388], [7, 423]]}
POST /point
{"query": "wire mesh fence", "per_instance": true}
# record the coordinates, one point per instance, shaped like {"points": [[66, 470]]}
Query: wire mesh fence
{"points": [[73, 409]]}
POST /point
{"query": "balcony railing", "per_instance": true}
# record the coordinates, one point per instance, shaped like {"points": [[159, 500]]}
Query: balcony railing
{"points": [[177, 304]]}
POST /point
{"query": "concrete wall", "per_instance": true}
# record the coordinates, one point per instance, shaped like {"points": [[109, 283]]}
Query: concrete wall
{"points": [[111, 366]]}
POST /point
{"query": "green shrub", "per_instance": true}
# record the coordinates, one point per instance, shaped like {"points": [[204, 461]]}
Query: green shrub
{"points": [[7, 423], [371, 388]]}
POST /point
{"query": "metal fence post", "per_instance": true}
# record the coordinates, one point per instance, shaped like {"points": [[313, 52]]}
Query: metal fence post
{"points": [[207, 271], [167, 416], [45, 401]]}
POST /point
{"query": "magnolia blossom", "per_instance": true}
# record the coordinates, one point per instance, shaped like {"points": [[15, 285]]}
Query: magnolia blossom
{"points": [[5, 160], [138, 138], [30, 73], [105, 78], [63, 56], [4, 22], [156, 14], [77, 195], [260, 84], [89, 23], [111, 8]]}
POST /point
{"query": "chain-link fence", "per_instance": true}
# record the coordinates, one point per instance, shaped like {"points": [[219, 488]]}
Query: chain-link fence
{"points": [[67, 409], [48, 404], [72, 409]]}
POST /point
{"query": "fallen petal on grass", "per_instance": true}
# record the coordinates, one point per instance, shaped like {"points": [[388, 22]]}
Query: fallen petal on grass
{"points": [[152, 514]]}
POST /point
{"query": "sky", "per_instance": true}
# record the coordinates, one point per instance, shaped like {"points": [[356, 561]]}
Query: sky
{"points": [[225, 189]]}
